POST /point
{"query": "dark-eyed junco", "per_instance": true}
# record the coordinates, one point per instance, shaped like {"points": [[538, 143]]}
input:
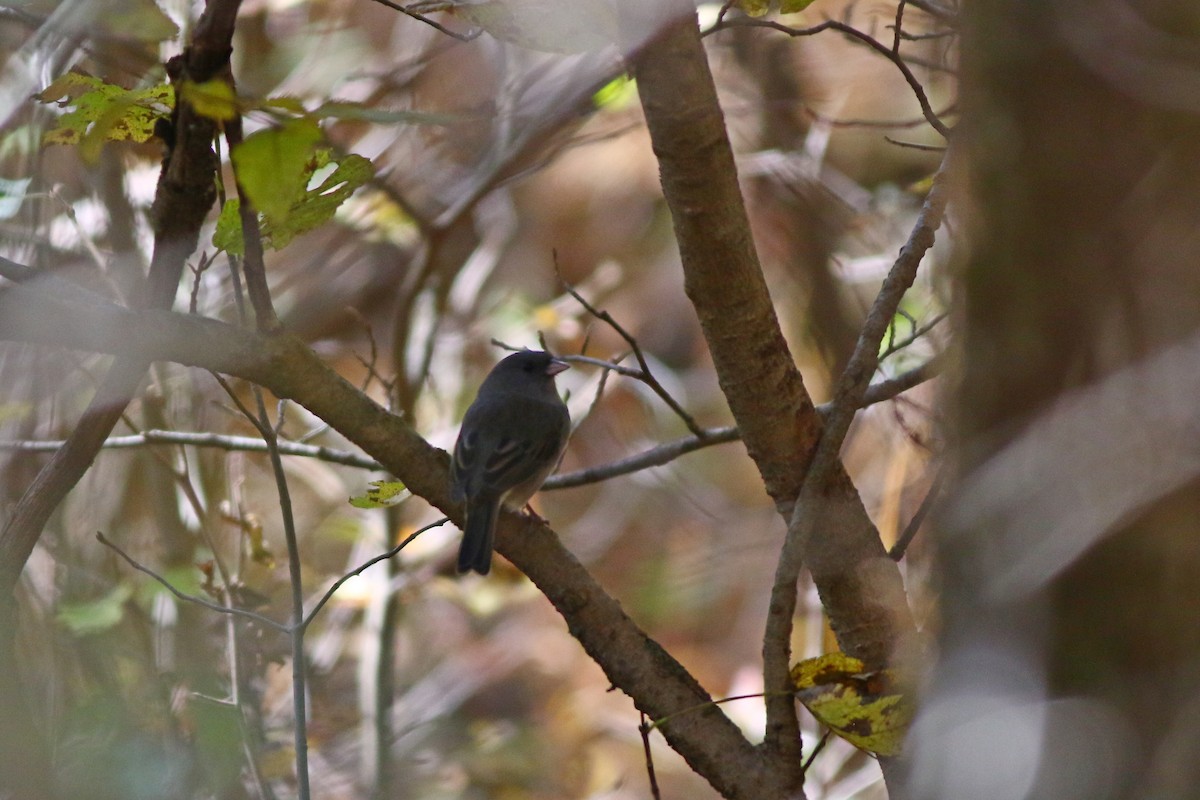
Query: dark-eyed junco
{"points": [[510, 441]]}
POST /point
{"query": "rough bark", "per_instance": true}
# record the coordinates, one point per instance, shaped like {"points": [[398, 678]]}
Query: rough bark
{"points": [[860, 588]]}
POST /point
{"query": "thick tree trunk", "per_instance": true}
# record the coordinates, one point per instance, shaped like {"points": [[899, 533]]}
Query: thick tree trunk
{"points": [[1071, 648]]}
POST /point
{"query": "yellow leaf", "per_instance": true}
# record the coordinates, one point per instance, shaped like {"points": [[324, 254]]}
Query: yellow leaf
{"points": [[259, 553], [864, 708], [382, 495]]}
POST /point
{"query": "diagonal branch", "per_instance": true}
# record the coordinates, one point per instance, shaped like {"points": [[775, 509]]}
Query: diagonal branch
{"points": [[658, 684], [818, 503]]}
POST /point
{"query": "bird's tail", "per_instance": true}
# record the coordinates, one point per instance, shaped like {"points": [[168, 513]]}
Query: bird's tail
{"points": [[475, 552]]}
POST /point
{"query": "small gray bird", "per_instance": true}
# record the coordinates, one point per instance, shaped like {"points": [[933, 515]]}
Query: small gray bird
{"points": [[511, 440]]}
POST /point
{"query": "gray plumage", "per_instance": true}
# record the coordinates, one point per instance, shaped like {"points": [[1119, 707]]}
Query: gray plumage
{"points": [[511, 439]]}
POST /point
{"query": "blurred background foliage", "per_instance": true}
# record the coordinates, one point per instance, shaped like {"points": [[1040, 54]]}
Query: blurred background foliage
{"points": [[500, 172]]}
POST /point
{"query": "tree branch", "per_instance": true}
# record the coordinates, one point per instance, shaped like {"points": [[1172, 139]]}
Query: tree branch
{"points": [[242, 444], [817, 505], [658, 684], [669, 451], [860, 587]]}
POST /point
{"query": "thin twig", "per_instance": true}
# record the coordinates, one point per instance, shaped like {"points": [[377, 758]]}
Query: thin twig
{"points": [[665, 453], [600, 387], [253, 264], [644, 730], [610, 366], [912, 122], [645, 376], [854, 382], [217, 441], [818, 748], [200, 601], [898, 31], [914, 525], [462, 37], [658, 723], [332, 590], [654, 457], [832, 24], [926, 148], [895, 347], [299, 660], [851, 389]]}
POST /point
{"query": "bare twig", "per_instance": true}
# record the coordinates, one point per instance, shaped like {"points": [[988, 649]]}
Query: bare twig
{"points": [[332, 590], [600, 387], [189, 598], [654, 457], [915, 85], [462, 37], [912, 122], [644, 730], [894, 347], [643, 374], [295, 582], [855, 380], [910, 531], [608, 366], [817, 749], [213, 440], [927, 148], [898, 28], [850, 391], [666, 453]]}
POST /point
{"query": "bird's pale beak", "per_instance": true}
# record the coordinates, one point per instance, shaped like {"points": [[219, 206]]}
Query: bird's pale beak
{"points": [[556, 366]]}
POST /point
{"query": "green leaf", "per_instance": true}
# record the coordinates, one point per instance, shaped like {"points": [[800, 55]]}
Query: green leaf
{"points": [[95, 616], [214, 99], [272, 166], [315, 207], [618, 93], [101, 112], [218, 736], [184, 577], [318, 205], [228, 234], [382, 495], [867, 709], [794, 6]]}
